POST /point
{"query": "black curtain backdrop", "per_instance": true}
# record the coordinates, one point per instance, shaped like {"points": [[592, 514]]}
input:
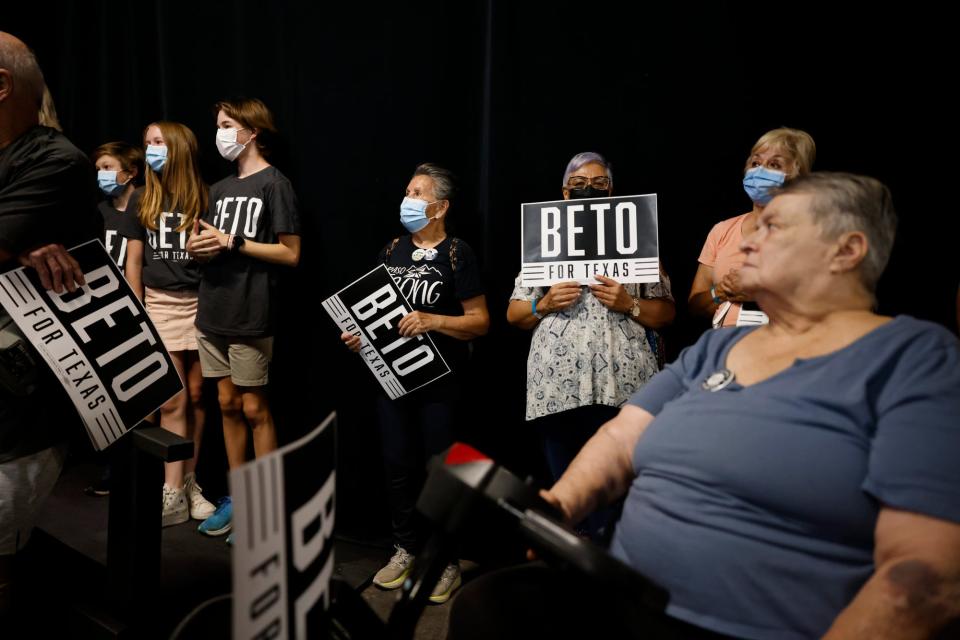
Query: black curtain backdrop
{"points": [[504, 93]]}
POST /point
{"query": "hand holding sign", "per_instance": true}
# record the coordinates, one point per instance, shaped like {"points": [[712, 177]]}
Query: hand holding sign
{"points": [[413, 324], [372, 315], [96, 338], [559, 297], [612, 294], [352, 341], [55, 267]]}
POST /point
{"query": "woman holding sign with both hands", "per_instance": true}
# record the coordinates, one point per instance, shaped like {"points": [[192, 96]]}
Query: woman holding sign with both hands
{"points": [[590, 350], [439, 276]]}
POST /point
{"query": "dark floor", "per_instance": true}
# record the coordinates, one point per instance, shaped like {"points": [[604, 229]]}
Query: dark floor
{"points": [[66, 573]]}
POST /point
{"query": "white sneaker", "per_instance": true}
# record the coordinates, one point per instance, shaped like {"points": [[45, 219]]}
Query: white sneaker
{"points": [[175, 508], [447, 584], [200, 507], [396, 571]]}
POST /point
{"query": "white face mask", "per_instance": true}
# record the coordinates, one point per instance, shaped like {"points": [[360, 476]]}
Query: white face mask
{"points": [[227, 143]]}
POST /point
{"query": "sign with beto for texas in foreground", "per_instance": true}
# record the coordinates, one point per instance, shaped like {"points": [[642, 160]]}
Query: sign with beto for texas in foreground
{"points": [[98, 341], [564, 240], [371, 307], [283, 517]]}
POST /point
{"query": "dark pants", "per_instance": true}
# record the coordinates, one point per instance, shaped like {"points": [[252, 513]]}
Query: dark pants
{"points": [[412, 430], [563, 435], [536, 601]]}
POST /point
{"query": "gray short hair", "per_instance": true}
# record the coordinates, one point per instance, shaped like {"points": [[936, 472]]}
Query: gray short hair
{"points": [[444, 182], [587, 157], [16, 58], [844, 202]]}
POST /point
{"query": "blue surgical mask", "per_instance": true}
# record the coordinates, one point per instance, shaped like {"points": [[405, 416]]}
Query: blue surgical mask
{"points": [[758, 182], [108, 183], [413, 214], [156, 156]]}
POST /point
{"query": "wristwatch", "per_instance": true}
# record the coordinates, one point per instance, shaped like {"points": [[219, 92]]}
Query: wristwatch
{"points": [[635, 309], [237, 242]]}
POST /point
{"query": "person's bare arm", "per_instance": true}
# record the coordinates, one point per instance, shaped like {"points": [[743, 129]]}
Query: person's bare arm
{"points": [[915, 586], [474, 322], [207, 242], [700, 301], [133, 266], [559, 297], [655, 313], [603, 470]]}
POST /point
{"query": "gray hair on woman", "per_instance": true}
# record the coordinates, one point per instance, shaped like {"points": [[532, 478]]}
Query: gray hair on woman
{"points": [[444, 182], [845, 202], [587, 157]]}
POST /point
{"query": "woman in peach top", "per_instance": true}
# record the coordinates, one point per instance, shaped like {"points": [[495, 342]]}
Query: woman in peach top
{"points": [[777, 157]]}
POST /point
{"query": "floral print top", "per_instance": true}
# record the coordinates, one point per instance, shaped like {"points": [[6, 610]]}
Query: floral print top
{"points": [[587, 354]]}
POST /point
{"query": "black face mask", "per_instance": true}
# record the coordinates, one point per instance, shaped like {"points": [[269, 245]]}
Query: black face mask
{"points": [[588, 192]]}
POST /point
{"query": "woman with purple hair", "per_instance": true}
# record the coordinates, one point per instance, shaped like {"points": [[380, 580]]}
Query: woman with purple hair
{"points": [[590, 350]]}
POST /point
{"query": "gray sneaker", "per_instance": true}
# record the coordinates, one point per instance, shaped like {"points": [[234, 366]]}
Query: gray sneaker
{"points": [[200, 507], [447, 584], [395, 571], [175, 509]]}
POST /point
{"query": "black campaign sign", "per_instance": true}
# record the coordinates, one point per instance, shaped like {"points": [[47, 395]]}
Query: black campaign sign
{"points": [[565, 240], [97, 340], [371, 307], [283, 516]]}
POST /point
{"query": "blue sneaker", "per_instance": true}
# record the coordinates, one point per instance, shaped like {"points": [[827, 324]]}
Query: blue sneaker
{"points": [[219, 523]]}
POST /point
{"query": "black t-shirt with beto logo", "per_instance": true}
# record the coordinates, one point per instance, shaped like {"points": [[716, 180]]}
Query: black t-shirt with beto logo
{"points": [[114, 221], [166, 264], [438, 285], [237, 292]]}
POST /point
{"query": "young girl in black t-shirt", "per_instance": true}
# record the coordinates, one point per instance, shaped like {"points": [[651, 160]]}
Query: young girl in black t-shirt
{"points": [[160, 271], [251, 228], [119, 165]]}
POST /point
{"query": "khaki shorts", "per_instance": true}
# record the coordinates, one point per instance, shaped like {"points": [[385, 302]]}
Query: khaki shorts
{"points": [[245, 360]]}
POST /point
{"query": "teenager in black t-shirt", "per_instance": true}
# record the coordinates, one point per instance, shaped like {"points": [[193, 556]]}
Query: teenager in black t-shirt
{"points": [[166, 278], [250, 231], [119, 164], [439, 276]]}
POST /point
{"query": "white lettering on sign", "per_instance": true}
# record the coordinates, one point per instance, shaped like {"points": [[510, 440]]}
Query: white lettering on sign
{"points": [[629, 209], [377, 300], [100, 282], [600, 208], [550, 232], [573, 230], [552, 241]]}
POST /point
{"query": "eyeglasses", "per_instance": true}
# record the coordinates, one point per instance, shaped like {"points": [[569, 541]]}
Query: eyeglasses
{"points": [[581, 182]]}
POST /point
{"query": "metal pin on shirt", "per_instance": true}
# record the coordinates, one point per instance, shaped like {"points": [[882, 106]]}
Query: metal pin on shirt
{"points": [[718, 380], [418, 255]]}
